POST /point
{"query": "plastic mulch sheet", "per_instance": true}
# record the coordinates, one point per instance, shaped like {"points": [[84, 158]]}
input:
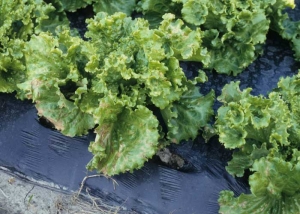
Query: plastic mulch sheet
{"points": [[28, 145]]}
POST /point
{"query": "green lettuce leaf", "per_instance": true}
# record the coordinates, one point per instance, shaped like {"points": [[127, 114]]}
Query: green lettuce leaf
{"points": [[55, 79], [245, 157], [62, 113], [125, 144], [181, 41], [194, 12], [50, 17], [188, 115]]}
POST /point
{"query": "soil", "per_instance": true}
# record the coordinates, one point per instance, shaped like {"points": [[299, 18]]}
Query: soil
{"points": [[18, 196]]}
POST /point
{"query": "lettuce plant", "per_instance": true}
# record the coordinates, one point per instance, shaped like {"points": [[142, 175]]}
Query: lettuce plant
{"points": [[265, 135], [233, 31], [287, 28], [19, 20], [118, 80]]}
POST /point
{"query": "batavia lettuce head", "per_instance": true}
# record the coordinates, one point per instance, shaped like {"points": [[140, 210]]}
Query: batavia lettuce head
{"points": [[19, 21], [120, 79], [233, 31], [265, 135]]}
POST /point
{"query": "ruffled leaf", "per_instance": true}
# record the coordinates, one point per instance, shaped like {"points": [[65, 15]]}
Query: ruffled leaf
{"points": [[125, 144], [194, 12], [185, 117], [63, 114], [245, 157], [55, 85]]}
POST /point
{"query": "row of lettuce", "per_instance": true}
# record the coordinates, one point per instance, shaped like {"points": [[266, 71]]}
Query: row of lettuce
{"points": [[125, 73]]}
